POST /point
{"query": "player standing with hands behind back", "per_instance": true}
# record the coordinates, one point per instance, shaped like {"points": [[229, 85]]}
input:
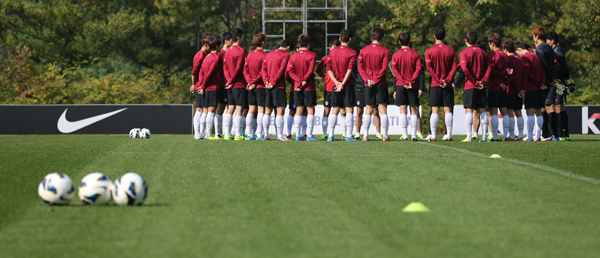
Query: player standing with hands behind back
{"points": [[302, 65], [233, 67]]}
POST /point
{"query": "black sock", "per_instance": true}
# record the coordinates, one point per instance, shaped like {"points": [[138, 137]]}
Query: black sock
{"points": [[545, 133], [553, 124], [565, 123], [560, 131]]}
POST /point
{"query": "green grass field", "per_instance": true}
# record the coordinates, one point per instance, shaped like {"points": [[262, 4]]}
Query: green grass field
{"points": [[306, 199]]}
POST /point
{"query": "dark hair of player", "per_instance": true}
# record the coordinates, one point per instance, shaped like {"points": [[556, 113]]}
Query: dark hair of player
{"points": [[251, 47], [471, 37], [214, 42], [226, 36], [480, 44], [345, 36], [521, 45], [539, 32], [237, 34], [275, 46], [552, 36], [377, 33], [363, 44], [440, 33], [259, 39], [286, 43], [508, 45], [495, 38], [206, 40], [303, 40], [404, 38], [335, 42]]}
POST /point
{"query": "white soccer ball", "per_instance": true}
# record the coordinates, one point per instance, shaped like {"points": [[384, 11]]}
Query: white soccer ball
{"points": [[145, 133], [95, 189], [134, 133], [56, 189], [130, 189]]}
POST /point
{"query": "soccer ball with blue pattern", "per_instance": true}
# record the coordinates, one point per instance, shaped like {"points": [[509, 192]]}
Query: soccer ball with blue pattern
{"points": [[95, 189], [134, 133], [56, 189], [145, 133], [130, 189]]}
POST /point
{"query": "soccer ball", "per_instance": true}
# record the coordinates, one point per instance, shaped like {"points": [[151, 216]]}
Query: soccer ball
{"points": [[95, 189], [56, 189], [130, 189], [134, 133], [145, 133]]}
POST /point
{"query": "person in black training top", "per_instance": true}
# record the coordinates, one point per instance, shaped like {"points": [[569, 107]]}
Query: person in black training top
{"points": [[548, 60], [563, 75]]}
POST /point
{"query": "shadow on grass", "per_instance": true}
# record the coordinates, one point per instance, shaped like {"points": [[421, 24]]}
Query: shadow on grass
{"points": [[112, 205]]}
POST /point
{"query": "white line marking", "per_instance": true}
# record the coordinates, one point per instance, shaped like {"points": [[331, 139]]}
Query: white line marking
{"points": [[538, 166]]}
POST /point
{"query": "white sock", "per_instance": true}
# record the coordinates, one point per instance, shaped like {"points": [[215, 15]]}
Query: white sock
{"points": [[259, 124], [449, 117], [310, 123], [242, 126], [249, 125], [324, 123], [520, 125], [298, 125], [227, 123], [509, 127], [413, 121], [290, 123], [530, 127], [495, 126], [202, 124], [540, 124], [196, 121], [484, 124], [279, 126], [304, 125], [384, 125], [343, 125], [433, 122], [469, 124], [218, 120], [266, 123], [349, 122], [237, 125], [332, 123], [403, 125], [210, 118], [366, 123]]}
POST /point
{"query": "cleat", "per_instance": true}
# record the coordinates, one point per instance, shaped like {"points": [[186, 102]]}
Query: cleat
{"points": [[420, 137], [402, 137], [217, 137], [509, 139], [357, 136], [304, 137], [493, 140], [467, 139], [312, 139], [240, 138], [536, 139], [344, 136], [562, 139], [415, 139], [405, 139], [198, 138], [298, 138], [366, 139], [351, 139], [283, 139], [446, 138], [518, 139], [262, 138], [473, 137], [330, 138], [289, 137], [266, 138], [380, 137], [253, 138], [490, 137], [555, 139], [323, 137], [386, 139], [545, 139]]}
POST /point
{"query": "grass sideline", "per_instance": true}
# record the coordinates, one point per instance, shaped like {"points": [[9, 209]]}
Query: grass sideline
{"points": [[306, 199]]}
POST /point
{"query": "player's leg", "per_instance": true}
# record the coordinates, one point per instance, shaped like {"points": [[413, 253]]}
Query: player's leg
{"points": [[506, 117], [483, 116], [448, 103], [414, 112], [298, 121], [382, 97], [326, 111], [310, 122], [228, 117], [403, 121], [290, 116], [520, 124], [210, 118], [359, 116], [250, 120], [196, 121], [476, 123], [377, 121], [468, 123]]}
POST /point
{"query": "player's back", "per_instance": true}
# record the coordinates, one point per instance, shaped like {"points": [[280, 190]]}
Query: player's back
{"points": [[302, 63], [517, 78], [374, 59], [405, 63], [253, 67], [474, 60], [441, 58], [342, 59], [274, 62], [498, 62]]}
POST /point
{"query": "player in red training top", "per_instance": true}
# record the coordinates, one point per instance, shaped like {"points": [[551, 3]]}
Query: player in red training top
{"points": [[328, 87], [373, 62], [514, 89], [273, 74], [497, 99], [209, 82], [473, 62], [440, 60], [199, 116], [534, 80], [233, 67], [406, 66], [342, 61], [257, 93], [221, 91], [301, 66]]}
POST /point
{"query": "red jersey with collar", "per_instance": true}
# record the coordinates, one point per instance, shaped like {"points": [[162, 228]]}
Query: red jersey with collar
{"points": [[535, 75], [253, 68], [498, 62], [373, 62], [473, 62], [406, 66], [234, 66], [301, 66], [274, 68], [328, 82], [222, 80], [514, 82], [209, 75], [197, 63], [441, 64], [341, 60]]}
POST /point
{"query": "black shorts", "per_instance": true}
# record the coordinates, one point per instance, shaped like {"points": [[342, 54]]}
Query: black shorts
{"points": [[553, 98], [199, 100], [497, 99], [261, 96], [222, 95], [275, 98], [406, 96], [532, 99], [376, 94], [210, 98], [237, 96], [251, 97], [360, 95], [441, 97], [345, 98], [327, 99], [475, 99], [514, 102], [305, 98], [292, 105]]}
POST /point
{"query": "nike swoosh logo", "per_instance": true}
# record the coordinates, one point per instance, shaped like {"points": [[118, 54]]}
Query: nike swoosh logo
{"points": [[65, 126]]}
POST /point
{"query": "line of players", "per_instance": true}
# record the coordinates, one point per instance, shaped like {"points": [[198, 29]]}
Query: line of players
{"points": [[255, 86]]}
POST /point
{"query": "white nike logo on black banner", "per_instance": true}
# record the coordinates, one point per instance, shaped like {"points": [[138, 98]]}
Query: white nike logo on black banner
{"points": [[65, 126]]}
